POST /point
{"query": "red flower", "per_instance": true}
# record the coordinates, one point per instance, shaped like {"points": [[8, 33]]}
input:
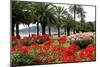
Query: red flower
{"points": [[42, 54], [35, 46], [14, 48], [72, 48], [62, 39], [70, 58], [82, 54], [25, 49], [26, 38], [89, 50], [64, 54], [14, 37], [48, 42], [19, 45]]}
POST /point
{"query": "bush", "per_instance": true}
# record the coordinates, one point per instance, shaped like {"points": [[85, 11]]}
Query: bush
{"points": [[83, 43], [27, 42], [20, 58]]}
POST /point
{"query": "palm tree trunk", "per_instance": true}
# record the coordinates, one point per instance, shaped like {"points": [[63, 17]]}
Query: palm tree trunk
{"points": [[65, 31], [68, 31], [58, 31], [29, 30], [17, 30], [37, 28], [77, 31], [43, 29], [82, 19], [13, 25], [49, 26], [74, 18]]}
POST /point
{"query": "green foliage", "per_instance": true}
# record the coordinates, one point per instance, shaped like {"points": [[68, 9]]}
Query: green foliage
{"points": [[49, 14], [27, 42], [20, 58], [14, 42], [83, 43], [16, 58], [22, 12], [34, 53], [87, 27], [94, 42], [44, 13]]}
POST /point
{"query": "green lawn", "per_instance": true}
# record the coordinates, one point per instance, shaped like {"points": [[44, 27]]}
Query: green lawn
{"points": [[57, 43]]}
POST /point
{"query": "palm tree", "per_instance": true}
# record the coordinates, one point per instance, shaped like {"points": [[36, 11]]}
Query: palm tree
{"points": [[68, 24], [21, 13], [35, 10], [81, 14], [74, 9], [51, 22], [44, 13], [60, 12]]}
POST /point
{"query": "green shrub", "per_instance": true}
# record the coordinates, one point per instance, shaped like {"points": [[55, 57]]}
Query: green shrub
{"points": [[14, 42], [20, 58], [83, 43], [27, 42]]}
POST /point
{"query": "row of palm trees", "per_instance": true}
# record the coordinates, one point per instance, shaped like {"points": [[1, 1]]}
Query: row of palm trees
{"points": [[45, 14]]}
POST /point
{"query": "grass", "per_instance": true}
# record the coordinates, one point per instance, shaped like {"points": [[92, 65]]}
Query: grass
{"points": [[67, 44]]}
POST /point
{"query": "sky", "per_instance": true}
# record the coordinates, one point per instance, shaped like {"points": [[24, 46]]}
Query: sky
{"points": [[90, 14]]}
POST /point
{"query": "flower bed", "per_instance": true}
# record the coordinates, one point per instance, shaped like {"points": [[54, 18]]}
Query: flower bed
{"points": [[82, 39], [34, 39], [46, 53]]}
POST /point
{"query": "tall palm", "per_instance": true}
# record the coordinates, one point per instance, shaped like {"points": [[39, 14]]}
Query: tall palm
{"points": [[51, 21], [74, 9], [68, 24], [35, 10], [81, 14], [20, 14], [60, 12], [44, 13]]}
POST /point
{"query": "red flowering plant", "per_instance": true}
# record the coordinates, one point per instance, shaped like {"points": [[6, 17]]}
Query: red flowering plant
{"points": [[26, 41], [88, 54], [34, 39], [41, 38], [33, 53], [14, 40], [56, 54], [62, 40], [20, 54], [47, 43], [82, 39], [44, 54], [22, 58]]}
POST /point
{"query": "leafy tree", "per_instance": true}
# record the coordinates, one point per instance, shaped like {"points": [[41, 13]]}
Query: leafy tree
{"points": [[78, 26], [90, 26], [68, 24], [60, 13], [81, 14], [74, 9], [21, 13], [44, 13]]}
